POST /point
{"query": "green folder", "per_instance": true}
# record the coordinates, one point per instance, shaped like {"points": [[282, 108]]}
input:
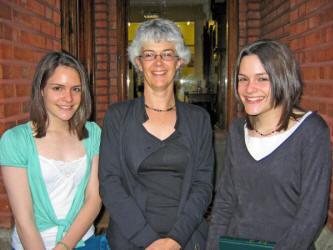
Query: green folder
{"points": [[228, 243]]}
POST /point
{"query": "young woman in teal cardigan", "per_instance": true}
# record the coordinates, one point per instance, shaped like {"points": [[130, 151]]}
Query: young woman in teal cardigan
{"points": [[50, 164]]}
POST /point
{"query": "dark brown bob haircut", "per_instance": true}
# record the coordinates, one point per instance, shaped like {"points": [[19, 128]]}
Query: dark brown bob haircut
{"points": [[44, 70], [284, 76]]}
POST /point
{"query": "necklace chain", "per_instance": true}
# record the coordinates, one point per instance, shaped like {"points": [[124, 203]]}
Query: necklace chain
{"points": [[161, 110], [263, 134]]}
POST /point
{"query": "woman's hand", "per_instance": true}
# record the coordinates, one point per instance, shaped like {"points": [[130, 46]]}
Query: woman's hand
{"points": [[59, 247], [164, 244]]}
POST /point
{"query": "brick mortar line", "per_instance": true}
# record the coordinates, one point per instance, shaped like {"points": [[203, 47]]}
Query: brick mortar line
{"points": [[28, 29], [274, 8], [312, 30], [44, 3], [14, 118], [315, 47], [313, 13], [328, 100], [5, 214], [26, 11], [24, 45], [14, 100], [325, 63], [274, 19], [13, 62], [3, 196], [322, 82], [20, 81]]}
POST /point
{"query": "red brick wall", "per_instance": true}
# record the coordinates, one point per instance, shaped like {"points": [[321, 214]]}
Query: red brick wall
{"points": [[307, 27], [28, 30], [263, 19], [311, 40], [243, 23], [275, 20], [249, 21], [106, 91]]}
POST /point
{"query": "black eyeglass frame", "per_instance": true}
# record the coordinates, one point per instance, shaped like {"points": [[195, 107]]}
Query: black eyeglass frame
{"points": [[154, 56]]}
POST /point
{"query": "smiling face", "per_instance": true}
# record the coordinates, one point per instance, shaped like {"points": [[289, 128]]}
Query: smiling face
{"points": [[254, 86], [62, 94], [159, 74]]}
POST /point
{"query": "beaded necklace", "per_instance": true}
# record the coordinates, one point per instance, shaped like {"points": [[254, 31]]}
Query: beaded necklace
{"points": [[263, 134], [161, 110]]}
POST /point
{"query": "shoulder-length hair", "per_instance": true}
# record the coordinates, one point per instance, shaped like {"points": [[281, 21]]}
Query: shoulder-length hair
{"points": [[158, 30], [38, 113], [284, 75]]}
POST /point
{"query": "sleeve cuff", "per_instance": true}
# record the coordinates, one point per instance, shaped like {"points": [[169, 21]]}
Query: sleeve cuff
{"points": [[145, 237], [178, 239]]}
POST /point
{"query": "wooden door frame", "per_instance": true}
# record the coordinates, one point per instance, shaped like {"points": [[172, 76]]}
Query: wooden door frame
{"points": [[122, 42], [77, 35], [232, 53]]}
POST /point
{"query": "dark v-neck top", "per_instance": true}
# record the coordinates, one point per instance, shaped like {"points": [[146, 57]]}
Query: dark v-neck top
{"points": [[281, 198], [162, 173]]}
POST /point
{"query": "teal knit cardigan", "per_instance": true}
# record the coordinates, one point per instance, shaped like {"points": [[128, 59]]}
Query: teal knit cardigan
{"points": [[18, 149]]}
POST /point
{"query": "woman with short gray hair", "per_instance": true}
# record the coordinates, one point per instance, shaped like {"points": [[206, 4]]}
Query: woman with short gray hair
{"points": [[156, 158]]}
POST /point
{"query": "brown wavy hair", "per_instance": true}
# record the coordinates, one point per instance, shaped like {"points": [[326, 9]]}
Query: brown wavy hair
{"points": [[38, 113]]}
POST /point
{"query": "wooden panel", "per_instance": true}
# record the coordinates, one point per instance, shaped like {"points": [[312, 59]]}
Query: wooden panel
{"points": [[77, 34], [122, 49], [232, 52]]}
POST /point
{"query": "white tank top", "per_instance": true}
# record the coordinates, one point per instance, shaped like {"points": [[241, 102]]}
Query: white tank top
{"points": [[61, 180]]}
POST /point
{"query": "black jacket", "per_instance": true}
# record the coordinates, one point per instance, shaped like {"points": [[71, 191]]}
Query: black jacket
{"points": [[124, 147]]}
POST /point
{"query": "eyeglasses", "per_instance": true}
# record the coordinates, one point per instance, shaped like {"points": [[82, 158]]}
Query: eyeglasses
{"points": [[165, 56]]}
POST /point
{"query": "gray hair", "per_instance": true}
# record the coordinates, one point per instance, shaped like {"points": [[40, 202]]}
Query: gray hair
{"points": [[158, 30]]}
